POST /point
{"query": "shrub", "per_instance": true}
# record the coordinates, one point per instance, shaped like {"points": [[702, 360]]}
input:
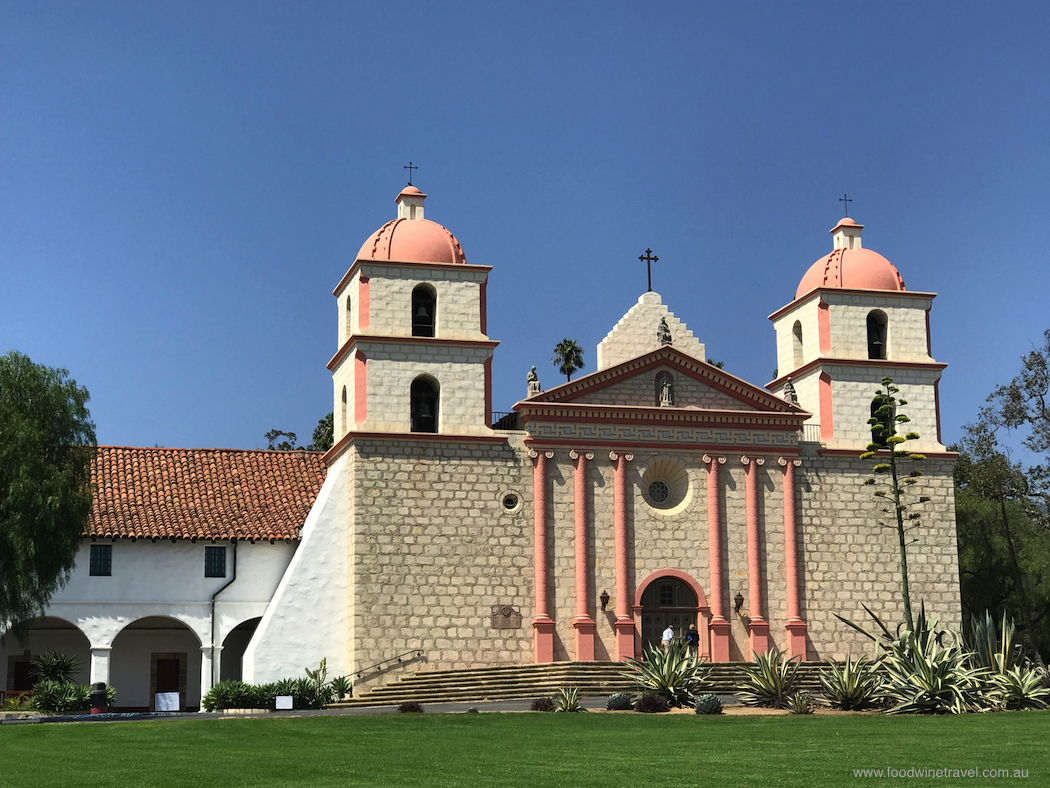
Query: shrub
{"points": [[618, 701], [55, 666], [20, 702], [411, 707], [708, 704], [63, 697], [801, 703], [542, 704], [568, 699], [770, 681], [342, 687], [1019, 688], [651, 703], [677, 675], [856, 684]]}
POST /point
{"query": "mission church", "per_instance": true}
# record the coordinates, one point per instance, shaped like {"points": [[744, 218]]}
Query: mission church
{"points": [[656, 490]]}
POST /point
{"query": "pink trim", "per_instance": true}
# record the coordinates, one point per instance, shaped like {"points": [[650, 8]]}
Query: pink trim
{"points": [[827, 423], [796, 627], [362, 303], [937, 407], [624, 622], [360, 388], [757, 626], [703, 612], [835, 291], [488, 389], [823, 328], [656, 419], [719, 627], [583, 623], [541, 622], [484, 307], [618, 441]]}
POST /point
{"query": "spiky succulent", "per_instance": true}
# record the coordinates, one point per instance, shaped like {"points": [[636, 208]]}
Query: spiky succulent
{"points": [[568, 699], [708, 704], [854, 685], [801, 703], [770, 681], [618, 701], [677, 675]]}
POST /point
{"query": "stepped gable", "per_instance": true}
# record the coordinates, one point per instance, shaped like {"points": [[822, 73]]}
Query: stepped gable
{"points": [[635, 333], [714, 389], [143, 493]]}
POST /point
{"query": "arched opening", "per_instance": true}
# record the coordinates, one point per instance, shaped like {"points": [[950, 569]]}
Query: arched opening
{"points": [[877, 334], [672, 598], [424, 414], [664, 390], [796, 343], [424, 311], [233, 648], [342, 414], [152, 656], [43, 636], [349, 311]]}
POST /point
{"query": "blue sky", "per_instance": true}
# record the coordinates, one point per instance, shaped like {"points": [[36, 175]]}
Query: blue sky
{"points": [[183, 184]]}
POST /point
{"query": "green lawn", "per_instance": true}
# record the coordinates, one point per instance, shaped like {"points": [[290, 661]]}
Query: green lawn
{"points": [[521, 750]]}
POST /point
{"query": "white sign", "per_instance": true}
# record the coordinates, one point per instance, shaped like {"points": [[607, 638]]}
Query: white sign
{"points": [[284, 702], [167, 701]]}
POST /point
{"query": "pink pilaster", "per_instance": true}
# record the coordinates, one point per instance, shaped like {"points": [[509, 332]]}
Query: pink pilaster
{"points": [[543, 626], [624, 622], [719, 626], [582, 622], [796, 627], [758, 627]]}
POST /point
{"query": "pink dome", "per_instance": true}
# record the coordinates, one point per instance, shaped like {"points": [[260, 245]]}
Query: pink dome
{"points": [[413, 240], [855, 269]]}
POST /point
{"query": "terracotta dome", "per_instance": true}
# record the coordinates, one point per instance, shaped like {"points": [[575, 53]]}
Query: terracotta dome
{"points": [[855, 269], [416, 241]]}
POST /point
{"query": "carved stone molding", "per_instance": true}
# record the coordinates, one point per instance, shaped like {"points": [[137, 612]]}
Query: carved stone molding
{"points": [[708, 458], [575, 455], [760, 461], [548, 454], [614, 456], [783, 461]]}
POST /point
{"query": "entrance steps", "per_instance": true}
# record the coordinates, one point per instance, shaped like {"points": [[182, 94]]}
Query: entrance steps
{"points": [[526, 682]]}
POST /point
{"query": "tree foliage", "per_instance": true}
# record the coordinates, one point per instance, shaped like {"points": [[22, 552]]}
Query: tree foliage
{"points": [[47, 444], [323, 437], [887, 447], [568, 357]]}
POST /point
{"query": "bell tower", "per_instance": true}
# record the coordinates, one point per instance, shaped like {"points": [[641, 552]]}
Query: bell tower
{"points": [[413, 353], [852, 323]]}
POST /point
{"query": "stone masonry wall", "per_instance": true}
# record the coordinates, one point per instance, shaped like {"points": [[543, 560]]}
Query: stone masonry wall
{"points": [[642, 390], [635, 333], [458, 299]]}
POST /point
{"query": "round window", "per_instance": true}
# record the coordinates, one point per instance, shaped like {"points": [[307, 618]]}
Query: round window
{"points": [[659, 492], [510, 502]]}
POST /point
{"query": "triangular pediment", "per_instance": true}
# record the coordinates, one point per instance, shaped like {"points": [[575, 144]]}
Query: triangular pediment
{"points": [[696, 386]]}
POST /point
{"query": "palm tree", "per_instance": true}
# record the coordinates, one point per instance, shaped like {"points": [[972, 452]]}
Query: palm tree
{"points": [[568, 357]]}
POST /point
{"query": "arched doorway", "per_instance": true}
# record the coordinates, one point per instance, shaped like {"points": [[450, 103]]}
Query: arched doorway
{"points": [[44, 635], [233, 648], [155, 655], [670, 597]]}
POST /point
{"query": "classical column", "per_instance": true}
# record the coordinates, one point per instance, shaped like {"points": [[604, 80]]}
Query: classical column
{"points": [[796, 627], [543, 627], [624, 622], [209, 656], [99, 670], [719, 627], [583, 623], [758, 627]]}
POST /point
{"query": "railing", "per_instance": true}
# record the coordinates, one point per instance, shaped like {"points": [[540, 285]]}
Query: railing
{"points": [[505, 420], [811, 433], [386, 664]]}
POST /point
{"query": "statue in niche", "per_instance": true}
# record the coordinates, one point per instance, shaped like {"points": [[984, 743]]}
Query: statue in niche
{"points": [[789, 393], [666, 391], [533, 381], [663, 333]]}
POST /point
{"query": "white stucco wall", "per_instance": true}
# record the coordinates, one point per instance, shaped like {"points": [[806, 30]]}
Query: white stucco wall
{"points": [[307, 618], [635, 333]]}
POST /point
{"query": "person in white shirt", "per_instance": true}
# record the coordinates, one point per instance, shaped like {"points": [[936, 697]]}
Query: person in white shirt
{"points": [[665, 642]]}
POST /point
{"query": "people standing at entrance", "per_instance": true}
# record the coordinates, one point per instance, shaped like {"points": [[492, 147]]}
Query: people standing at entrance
{"points": [[665, 642], [692, 639]]}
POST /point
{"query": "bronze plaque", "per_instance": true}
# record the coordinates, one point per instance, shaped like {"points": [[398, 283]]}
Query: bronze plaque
{"points": [[505, 617]]}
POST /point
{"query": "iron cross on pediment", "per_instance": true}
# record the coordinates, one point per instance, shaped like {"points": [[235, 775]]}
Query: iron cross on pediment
{"points": [[649, 258]]}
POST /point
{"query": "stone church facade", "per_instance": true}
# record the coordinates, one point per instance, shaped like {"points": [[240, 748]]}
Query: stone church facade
{"points": [[656, 490], [436, 534]]}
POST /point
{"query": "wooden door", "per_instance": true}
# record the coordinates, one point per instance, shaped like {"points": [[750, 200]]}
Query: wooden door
{"points": [[167, 675]]}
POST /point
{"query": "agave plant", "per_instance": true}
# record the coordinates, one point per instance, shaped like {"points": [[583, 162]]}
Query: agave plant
{"points": [[708, 704], [801, 703], [56, 666], [856, 684], [618, 701], [770, 681], [925, 677], [1019, 688], [677, 675], [568, 699], [994, 648]]}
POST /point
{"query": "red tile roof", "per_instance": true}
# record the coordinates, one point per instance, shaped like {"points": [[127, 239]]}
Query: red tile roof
{"points": [[203, 493]]}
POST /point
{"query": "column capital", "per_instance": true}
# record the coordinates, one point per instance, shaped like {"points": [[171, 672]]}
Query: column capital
{"points": [[547, 453], [709, 459], [101, 648], [614, 456], [745, 460], [576, 454], [784, 461]]}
